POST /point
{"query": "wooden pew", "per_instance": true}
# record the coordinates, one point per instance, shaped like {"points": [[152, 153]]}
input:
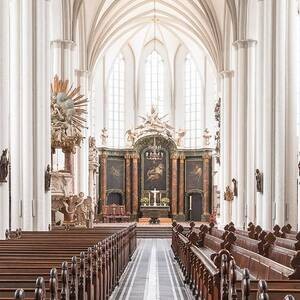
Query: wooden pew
{"points": [[245, 288], [106, 260]]}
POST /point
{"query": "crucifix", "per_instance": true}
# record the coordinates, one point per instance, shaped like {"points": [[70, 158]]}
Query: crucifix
{"points": [[154, 192]]}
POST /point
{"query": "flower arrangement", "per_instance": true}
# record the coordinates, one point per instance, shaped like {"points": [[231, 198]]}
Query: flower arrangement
{"points": [[165, 201], [145, 201]]}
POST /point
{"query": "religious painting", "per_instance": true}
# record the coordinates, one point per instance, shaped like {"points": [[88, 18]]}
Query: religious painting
{"points": [[194, 174], [154, 173], [115, 173]]}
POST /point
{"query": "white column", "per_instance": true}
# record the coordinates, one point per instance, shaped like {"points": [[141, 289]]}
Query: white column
{"points": [[27, 113], [82, 175], [250, 156], [226, 135], [280, 92], [268, 139], [234, 127], [291, 117], [4, 111], [62, 53], [241, 129], [15, 114], [41, 109], [259, 107]]}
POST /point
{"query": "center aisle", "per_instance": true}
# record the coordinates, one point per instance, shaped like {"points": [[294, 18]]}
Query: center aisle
{"points": [[152, 274]]}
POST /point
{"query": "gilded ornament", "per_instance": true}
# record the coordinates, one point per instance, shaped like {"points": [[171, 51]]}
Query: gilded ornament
{"points": [[67, 109]]}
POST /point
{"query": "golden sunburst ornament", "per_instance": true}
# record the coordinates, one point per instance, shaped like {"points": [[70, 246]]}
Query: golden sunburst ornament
{"points": [[67, 109]]}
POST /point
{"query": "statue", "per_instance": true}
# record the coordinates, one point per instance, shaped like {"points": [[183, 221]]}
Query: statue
{"points": [[47, 179], [93, 152], [228, 195], [4, 166], [299, 168], [235, 189], [131, 137], [259, 181], [179, 136], [104, 136], [206, 137]]}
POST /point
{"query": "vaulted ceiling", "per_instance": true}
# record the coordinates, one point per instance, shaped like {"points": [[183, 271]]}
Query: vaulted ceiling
{"points": [[114, 22]]}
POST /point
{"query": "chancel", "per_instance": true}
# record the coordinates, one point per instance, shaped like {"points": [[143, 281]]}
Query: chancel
{"points": [[149, 149]]}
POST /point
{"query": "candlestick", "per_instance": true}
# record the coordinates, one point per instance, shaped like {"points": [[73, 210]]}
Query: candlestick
{"points": [[190, 202]]}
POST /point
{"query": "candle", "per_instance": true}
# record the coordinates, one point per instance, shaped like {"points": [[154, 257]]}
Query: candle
{"points": [[190, 202]]}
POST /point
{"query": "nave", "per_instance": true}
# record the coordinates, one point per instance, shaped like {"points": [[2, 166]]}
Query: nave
{"points": [[152, 274]]}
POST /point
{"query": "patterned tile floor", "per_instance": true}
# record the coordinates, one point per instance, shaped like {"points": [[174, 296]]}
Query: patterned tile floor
{"points": [[152, 274]]}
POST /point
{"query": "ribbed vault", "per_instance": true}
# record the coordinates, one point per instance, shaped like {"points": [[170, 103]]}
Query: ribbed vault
{"points": [[195, 20]]}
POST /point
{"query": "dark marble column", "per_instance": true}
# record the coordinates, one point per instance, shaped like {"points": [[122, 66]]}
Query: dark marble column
{"points": [[206, 161], [128, 182], [135, 184], [103, 176], [181, 185], [174, 184]]}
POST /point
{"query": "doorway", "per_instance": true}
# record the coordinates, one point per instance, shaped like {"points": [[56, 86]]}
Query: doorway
{"points": [[194, 201]]}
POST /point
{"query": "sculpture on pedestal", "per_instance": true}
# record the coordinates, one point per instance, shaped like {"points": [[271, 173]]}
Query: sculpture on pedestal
{"points": [[4, 162], [259, 181], [235, 188], [48, 179], [228, 195]]}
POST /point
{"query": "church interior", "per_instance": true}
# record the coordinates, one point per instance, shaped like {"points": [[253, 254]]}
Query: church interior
{"points": [[150, 149]]}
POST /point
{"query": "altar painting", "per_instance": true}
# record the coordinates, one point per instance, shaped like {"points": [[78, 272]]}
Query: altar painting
{"points": [[154, 174], [194, 174], [115, 174]]}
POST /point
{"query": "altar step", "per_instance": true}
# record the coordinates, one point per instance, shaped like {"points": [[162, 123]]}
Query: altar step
{"points": [[163, 221], [153, 231]]}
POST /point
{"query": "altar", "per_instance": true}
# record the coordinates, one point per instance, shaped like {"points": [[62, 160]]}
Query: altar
{"points": [[155, 176], [155, 212]]}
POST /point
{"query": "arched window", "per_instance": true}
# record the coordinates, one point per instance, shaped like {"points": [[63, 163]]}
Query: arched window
{"points": [[154, 82], [116, 103], [193, 100]]}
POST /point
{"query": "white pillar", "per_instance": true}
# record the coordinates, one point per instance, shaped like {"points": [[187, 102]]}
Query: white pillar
{"points": [[62, 53], [279, 114], [27, 113], [4, 111], [291, 116], [234, 126], [82, 174], [226, 135], [241, 129], [259, 107], [15, 114], [268, 138], [42, 138], [250, 156]]}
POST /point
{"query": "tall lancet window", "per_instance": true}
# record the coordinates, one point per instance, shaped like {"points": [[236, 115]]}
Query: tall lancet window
{"points": [[154, 82], [193, 100], [116, 104]]}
